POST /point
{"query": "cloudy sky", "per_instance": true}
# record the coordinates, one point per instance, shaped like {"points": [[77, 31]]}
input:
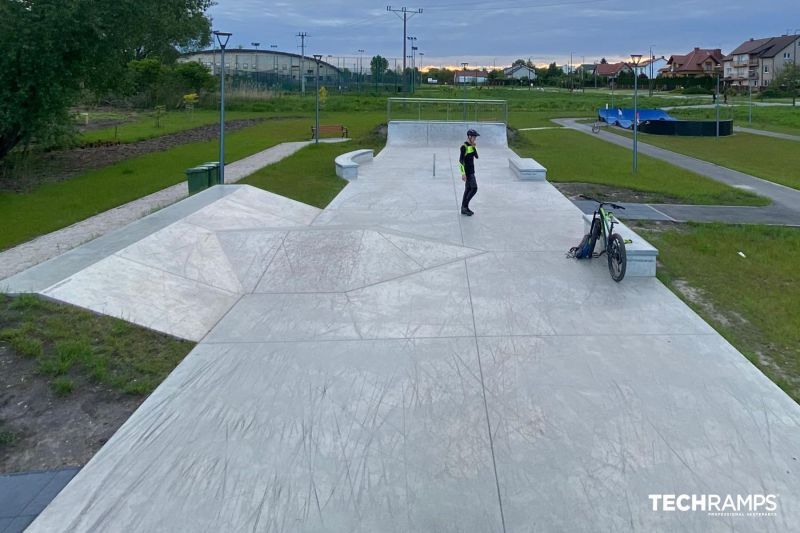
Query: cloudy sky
{"points": [[496, 32]]}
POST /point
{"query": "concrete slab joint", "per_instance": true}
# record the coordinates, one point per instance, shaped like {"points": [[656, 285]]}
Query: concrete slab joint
{"points": [[641, 254], [347, 164]]}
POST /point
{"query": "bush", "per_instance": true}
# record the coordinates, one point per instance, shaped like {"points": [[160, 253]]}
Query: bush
{"points": [[697, 90]]}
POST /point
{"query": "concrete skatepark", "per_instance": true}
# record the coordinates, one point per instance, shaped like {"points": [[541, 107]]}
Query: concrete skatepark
{"points": [[386, 364]]}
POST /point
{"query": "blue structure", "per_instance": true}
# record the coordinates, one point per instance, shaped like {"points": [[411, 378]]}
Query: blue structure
{"points": [[624, 117]]}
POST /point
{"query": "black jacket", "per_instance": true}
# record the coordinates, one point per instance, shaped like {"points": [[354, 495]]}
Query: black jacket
{"points": [[467, 158]]}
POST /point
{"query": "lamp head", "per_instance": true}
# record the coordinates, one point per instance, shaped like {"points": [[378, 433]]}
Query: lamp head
{"points": [[222, 38], [635, 58], [317, 57]]}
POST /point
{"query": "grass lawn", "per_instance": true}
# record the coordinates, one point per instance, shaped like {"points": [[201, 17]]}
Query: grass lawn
{"points": [[73, 347], [775, 160], [571, 156], [782, 119], [753, 301], [57, 205], [143, 126]]}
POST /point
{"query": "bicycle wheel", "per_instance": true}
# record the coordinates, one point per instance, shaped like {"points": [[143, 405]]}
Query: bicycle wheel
{"points": [[596, 127], [617, 258]]}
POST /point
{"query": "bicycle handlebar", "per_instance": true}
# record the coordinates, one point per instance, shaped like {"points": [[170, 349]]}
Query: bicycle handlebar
{"points": [[615, 206]]}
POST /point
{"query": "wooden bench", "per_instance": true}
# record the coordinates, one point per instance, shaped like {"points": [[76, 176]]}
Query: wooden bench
{"points": [[331, 128]]}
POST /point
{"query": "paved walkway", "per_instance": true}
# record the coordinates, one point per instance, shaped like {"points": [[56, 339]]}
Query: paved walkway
{"points": [[53, 244], [390, 365], [24, 496], [784, 136], [785, 207]]}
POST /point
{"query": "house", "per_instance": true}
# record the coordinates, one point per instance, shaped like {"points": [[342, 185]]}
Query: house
{"points": [[475, 77], [520, 72], [757, 62], [699, 62], [612, 70], [650, 68]]}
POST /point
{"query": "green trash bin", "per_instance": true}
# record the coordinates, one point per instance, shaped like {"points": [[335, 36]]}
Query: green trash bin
{"points": [[197, 178], [213, 172]]}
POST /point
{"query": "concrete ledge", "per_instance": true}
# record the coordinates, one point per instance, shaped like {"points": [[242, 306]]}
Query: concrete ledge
{"points": [[641, 254], [527, 168], [347, 164]]}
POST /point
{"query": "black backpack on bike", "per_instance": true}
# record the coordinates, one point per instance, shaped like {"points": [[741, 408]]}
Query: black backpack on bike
{"points": [[585, 249]]}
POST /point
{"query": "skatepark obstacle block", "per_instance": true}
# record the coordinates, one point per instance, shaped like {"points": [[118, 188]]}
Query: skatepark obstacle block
{"points": [[525, 168], [347, 164], [641, 254]]}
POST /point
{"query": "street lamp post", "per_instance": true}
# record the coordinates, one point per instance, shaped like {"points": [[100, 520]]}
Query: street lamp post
{"points": [[717, 72], [222, 39], [411, 40], [317, 57], [360, 69], [635, 59], [413, 69]]}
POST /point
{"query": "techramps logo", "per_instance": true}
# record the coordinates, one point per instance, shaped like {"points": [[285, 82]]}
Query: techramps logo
{"points": [[722, 505]]}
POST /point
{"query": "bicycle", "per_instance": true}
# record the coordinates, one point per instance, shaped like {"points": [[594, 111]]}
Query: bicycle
{"points": [[613, 243], [596, 126]]}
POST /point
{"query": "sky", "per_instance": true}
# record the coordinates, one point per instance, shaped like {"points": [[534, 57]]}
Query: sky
{"points": [[495, 33]]}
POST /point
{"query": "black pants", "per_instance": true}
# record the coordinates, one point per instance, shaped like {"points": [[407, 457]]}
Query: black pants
{"points": [[470, 188]]}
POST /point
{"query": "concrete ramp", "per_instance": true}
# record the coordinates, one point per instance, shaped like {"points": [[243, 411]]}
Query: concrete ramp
{"points": [[431, 133]]}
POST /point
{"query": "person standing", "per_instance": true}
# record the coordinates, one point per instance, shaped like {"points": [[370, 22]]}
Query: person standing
{"points": [[466, 160]]}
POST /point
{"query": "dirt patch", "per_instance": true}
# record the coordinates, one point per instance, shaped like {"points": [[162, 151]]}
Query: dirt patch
{"points": [[46, 432], [616, 194], [61, 165]]}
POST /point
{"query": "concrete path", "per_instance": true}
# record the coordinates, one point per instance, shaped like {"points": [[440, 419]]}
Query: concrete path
{"points": [[42, 248], [774, 134], [390, 365], [785, 207]]}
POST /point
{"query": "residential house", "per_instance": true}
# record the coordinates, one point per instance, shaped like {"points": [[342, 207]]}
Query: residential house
{"points": [[758, 62], [699, 62], [520, 72], [612, 70], [650, 68], [473, 77]]}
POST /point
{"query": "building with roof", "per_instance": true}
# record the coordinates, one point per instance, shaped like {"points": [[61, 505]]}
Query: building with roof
{"points": [[612, 70], [757, 62], [520, 72], [650, 68], [475, 77], [280, 66], [699, 62]]}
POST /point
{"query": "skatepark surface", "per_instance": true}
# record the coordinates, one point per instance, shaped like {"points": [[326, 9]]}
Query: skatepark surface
{"points": [[387, 364]]}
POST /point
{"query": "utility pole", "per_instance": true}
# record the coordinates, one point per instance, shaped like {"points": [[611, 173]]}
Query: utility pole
{"points": [[302, 36], [407, 14], [650, 81]]}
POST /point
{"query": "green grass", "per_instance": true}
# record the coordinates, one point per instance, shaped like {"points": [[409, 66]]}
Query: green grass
{"points": [[775, 160], [80, 347], [143, 125], [753, 301], [57, 205], [782, 119], [309, 176], [571, 156]]}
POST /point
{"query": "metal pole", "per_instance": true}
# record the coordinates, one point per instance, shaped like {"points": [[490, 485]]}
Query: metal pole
{"points": [[717, 106], [635, 122], [222, 44], [749, 100], [316, 130]]}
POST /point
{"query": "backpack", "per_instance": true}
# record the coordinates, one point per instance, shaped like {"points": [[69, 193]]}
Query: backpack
{"points": [[585, 249]]}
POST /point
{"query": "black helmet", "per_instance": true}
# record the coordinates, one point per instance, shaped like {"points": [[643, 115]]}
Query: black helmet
{"points": [[473, 133]]}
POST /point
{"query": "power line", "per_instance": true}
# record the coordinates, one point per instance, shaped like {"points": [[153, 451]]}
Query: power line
{"points": [[406, 12]]}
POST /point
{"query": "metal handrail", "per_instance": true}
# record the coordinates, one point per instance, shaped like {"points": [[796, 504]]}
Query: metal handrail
{"points": [[459, 106]]}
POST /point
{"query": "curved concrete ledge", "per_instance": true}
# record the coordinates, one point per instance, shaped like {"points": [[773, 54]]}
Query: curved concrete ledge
{"points": [[347, 164]]}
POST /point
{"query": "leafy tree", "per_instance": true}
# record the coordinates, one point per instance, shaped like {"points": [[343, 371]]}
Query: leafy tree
{"points": [[518, 62], [788, 80], [378, 65], [54, 48]]}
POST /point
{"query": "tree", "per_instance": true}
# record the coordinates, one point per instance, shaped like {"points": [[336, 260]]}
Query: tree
{"points": [[54, 48], [378, 66], [518, 62], [789, 80]]}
